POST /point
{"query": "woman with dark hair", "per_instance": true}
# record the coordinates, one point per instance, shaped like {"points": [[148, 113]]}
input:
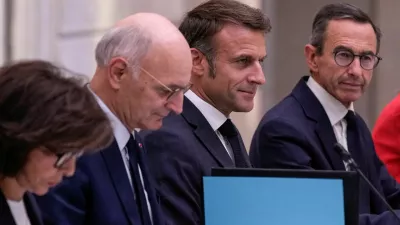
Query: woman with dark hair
{"points": [[47, 120]]}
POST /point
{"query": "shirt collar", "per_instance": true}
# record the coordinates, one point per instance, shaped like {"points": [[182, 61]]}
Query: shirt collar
{"points": [[335, 110], [214, 117], [121, 133]]}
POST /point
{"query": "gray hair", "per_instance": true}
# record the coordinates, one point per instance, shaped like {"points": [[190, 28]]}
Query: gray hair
{"points": [[338, 11], [130, 42]]}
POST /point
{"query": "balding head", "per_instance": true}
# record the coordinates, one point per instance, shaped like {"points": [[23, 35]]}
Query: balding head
{"points": [[144, 19], [157, 26], [138, 43], [132, 37]]}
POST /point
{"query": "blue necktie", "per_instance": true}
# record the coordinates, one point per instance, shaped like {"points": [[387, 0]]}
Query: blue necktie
{"points": [[229, 130], [134, 162]]}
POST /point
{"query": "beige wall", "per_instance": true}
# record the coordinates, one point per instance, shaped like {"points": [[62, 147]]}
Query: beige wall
{"points": [[387, 78], [66, 31]]}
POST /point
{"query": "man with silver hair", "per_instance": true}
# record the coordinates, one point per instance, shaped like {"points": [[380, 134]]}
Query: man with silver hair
{"points": [[143, 69]]}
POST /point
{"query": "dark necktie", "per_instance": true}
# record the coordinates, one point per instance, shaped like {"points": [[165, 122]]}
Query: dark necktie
{"points": [[351, 131], [134, 162], [353, 139], [229, 130]]}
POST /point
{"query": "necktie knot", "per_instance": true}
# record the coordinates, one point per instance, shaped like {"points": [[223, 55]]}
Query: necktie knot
{"points": [[350, 118], [131, 145], [228, 129]]}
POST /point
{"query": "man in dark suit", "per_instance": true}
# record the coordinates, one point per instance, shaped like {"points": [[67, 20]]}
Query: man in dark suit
{"points": [[143, 70], [300, 132], [227, 40]]}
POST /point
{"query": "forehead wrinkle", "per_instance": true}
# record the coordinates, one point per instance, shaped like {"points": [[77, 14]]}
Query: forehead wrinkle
{"points": [[356, 36]]}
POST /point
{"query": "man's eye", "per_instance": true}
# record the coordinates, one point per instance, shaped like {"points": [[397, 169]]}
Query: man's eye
{"points": [[244, 61], [367, 58], [344, 54], [163, 91]]}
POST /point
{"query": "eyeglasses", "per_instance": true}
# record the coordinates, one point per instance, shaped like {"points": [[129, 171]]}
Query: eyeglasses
{"points": [[65, 157], [170, 92], [367, 61]]}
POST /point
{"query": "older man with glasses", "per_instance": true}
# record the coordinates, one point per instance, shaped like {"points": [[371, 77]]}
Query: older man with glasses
{"points": [[143, 70], [302, 130]]}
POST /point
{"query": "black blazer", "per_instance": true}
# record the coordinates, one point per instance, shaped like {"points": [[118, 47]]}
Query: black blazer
{"points": [[6, 218], [180, 154]]}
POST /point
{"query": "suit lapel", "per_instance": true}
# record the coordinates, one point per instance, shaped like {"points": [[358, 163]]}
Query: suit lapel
{"points": [[244, 152], [206, 134], [5, 212], [31, 207], [32, 210], [116, 168], [325, 133], [323, 129]]}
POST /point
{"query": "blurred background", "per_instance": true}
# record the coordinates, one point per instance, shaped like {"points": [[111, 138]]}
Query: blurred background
{"points": [[66, 32]]}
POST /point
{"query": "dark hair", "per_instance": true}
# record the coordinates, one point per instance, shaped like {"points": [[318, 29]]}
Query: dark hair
{"points": [[41, 107], [338, 11], [201, 24]]}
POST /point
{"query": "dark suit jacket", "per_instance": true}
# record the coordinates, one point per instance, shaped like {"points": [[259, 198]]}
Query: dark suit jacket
{"points": [[98, 194], [297, 134], [180, 154], [6, 218]]}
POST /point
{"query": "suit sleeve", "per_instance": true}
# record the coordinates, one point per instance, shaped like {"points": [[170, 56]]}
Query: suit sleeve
{"points": [[66, 203], [178, 177], [277, 144], [390, 186], [386, 218]]}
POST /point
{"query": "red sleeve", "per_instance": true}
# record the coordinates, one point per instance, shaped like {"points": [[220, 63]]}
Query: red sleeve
{"points": [[386, 136]]}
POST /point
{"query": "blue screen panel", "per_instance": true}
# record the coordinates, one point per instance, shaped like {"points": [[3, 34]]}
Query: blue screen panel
{"points": [[273, 201]]}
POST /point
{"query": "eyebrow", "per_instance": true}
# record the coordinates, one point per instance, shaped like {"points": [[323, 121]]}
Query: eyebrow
{"points": [[249, 56], [263, 58], [344, 48], [176, 86]]}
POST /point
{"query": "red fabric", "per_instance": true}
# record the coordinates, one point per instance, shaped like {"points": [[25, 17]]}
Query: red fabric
{"points": [[386, 135]]}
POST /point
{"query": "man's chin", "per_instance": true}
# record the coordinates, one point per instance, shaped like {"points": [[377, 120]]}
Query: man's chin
{"points": [[152, 125], [40, 191], [244, 107]]}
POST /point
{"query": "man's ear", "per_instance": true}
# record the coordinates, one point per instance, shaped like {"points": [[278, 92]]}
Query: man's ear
{"points": [[311, 57], [118, 69], [199, 62]]}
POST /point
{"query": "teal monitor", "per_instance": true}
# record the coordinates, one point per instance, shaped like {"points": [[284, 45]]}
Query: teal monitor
{"points": [[280, 197]]}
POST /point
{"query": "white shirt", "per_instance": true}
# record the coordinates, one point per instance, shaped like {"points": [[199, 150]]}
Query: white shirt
{"points": [[213, 116], [122, 135], [19, 213], [335, 110]]}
